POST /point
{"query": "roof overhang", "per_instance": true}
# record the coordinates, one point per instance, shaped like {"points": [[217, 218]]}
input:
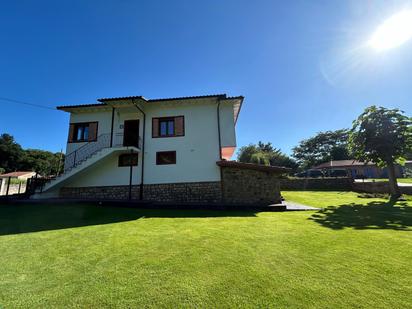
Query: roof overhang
{"points": [[108, 103], [237, 105]]}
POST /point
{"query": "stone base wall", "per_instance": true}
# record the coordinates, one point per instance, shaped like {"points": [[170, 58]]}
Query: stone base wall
{"points": [[253, 187], [378, 187], [106, 192], [188, 192], [192, 192], [337, 184]]}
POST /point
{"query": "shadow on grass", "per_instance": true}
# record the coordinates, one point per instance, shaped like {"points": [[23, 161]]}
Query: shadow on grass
{"points": [[26, 218], [373, 215]]}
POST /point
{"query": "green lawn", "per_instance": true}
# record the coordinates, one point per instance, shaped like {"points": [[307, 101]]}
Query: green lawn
{"points": [[400, 180], [405, 180], [353, 255]]}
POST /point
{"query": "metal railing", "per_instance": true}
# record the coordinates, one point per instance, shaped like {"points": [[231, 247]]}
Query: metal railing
{"points": [[103, 141]]}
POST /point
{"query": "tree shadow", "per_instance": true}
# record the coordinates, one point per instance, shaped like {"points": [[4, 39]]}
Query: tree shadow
{"points": [[27, 218], [373, 215]]}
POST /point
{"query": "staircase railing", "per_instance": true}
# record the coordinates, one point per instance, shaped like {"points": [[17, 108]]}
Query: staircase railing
{"points": [[86, 151]]}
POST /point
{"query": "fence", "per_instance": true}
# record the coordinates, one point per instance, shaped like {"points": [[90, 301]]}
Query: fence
{"points": [[11, 186]]}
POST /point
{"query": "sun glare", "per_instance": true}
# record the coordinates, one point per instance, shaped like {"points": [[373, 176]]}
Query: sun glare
{"points": [[395, 31]]}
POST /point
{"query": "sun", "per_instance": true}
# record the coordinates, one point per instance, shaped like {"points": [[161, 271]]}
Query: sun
{"points": [[395, 31]]}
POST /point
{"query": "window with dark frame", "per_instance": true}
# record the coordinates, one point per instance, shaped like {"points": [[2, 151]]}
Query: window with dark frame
{"points": [[167, 127], [165, 157], [128, 159], [81, 132]]}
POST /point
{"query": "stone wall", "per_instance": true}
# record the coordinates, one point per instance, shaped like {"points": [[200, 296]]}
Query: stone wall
{"points": [[196, 192], [337, 184], [378, 187], [247, 186], [187, 192], [106, 192]]}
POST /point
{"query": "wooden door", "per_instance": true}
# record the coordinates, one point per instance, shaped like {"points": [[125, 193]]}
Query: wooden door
{"points": [[131, 133]]}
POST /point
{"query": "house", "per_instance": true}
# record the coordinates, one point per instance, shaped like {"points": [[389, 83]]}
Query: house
{"points": [[164, 150], [357, 169], [14, 182], [18, 175]]}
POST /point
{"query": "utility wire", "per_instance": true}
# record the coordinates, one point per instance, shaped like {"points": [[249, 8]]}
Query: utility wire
{"points": [[26, 103]]}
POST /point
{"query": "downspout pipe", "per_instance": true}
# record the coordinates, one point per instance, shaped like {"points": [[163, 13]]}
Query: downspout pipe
{"points": [[220, 151], [111, 129], [218, 129], [143, 144]]}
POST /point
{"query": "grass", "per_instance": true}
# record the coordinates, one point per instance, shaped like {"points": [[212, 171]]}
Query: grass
{"points": [[354, 254], [400, 180]]}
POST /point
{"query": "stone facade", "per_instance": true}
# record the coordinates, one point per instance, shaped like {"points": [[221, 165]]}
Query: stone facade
{"points": [[187, 192], [192, 192], [378, 187], [242, 184], [106, 192], [338, 184], [248, 186]]}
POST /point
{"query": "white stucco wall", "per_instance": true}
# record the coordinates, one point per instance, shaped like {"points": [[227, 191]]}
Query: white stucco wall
{"points": [[227, 127], [104, 125], [196, 152], [106, 173]]}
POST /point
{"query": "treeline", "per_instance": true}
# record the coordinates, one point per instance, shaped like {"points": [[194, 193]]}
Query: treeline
{"points": [[14, 158], [323, 147], [343, 144]]}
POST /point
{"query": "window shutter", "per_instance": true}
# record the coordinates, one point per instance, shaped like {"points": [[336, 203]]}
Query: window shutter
{"points": [[155, 127], [180, 126], [92, 131], [71, 133]]}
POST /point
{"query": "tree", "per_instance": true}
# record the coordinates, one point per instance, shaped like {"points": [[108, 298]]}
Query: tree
{"points": [[265, 154], [11, 153], [42, 162], [13, 158], [383, 136], [323, 147]]}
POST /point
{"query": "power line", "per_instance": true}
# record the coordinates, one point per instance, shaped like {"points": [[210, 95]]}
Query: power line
{"points": [[26, 103]]}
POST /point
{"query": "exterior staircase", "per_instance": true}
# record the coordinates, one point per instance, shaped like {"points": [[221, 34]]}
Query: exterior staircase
{"points": [[82, 158]]}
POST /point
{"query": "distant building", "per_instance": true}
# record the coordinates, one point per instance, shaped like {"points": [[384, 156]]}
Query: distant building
{"points": [[13, 187], [358, 169], [19, 175]]}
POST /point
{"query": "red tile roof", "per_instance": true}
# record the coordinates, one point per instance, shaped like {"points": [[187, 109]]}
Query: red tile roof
{"points": [[103, 100], [162, 99], [15, 174], [80, 105]]}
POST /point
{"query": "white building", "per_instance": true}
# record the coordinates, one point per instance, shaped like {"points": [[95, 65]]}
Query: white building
{"points": [[149, 149]]}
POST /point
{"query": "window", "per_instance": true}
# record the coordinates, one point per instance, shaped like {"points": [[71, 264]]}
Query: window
{"points": [[168, 126], [165, 157], [128, 159], [83, 132]]}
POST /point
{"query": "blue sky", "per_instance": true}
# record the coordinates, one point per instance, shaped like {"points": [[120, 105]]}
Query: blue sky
{"points": [[302, 66]]}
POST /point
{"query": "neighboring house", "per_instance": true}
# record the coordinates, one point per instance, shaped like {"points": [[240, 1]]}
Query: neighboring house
{"points": [[360, 169], [148, 149], [14, 177], [18, 175]]}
